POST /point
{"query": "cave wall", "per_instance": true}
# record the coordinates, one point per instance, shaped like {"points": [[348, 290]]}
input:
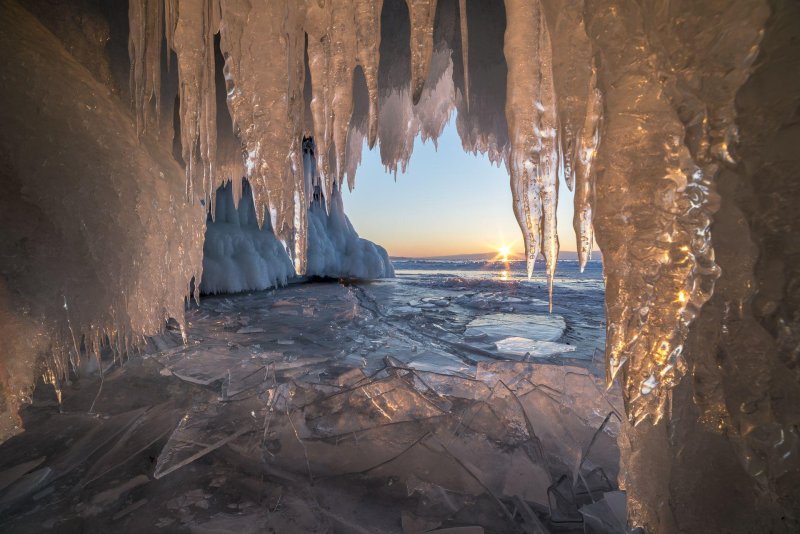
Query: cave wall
{"points": [[726, 459], [85, 261]]}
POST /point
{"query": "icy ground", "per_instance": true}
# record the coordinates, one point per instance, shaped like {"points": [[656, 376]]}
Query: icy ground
{"points": [[401, 406]]}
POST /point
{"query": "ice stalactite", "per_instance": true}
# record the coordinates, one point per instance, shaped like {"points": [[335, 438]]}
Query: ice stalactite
{"points": [[401, 120], [481, 120], [265, 98], [586, 147], [359, 127], [572, 67], [421, 13], [579, 111], [532, 126], [317, 24], [343, 51], [144, 47], [192, 25], [341, 35], [368, 23]]}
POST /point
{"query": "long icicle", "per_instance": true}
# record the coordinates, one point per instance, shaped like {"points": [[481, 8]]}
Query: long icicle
{"points": [[532, 121], [462, 10], [368, 24], [588, 141]]}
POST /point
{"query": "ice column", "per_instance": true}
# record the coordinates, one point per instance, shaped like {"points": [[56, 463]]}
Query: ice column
{"points": [[669, 114]]}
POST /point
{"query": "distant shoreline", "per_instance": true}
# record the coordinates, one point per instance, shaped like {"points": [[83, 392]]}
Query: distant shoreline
{"points": [[490, 256]]}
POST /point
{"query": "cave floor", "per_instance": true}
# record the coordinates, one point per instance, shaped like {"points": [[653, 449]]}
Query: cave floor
{"points": [[399, 406]]}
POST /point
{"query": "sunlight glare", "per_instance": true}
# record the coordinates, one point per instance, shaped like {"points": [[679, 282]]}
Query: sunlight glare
{"points": [[503, 251]]}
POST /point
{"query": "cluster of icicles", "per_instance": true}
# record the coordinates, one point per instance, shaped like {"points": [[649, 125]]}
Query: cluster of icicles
{"points": [[348, 71], [265, 46]]}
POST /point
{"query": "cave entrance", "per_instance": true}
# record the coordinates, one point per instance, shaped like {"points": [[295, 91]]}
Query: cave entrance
{"points": [[453, 371]]}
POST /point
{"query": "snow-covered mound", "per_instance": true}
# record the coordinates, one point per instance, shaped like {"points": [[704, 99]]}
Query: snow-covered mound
{"points": [[335, 250], [238, 256]]}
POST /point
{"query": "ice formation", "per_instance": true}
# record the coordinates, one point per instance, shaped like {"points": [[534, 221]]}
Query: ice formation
{"points": [[240, 256], [334, 62], [647, 109], [237, 254]]}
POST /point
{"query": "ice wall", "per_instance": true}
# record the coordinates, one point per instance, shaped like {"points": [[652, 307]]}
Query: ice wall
{"points": [[98, 245], [240, 256]]}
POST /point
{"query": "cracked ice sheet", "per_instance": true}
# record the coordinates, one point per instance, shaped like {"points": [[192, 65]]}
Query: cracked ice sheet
{"points": [[285, 380]]}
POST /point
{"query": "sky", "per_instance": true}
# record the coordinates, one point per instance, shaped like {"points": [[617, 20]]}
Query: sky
{"points": [[448, 202]]}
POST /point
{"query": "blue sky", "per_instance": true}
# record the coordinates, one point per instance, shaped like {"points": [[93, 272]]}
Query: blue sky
{"points": [[447, 202]]}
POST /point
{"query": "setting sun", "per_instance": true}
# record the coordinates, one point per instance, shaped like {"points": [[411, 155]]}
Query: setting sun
{"points": [[503, 251]]}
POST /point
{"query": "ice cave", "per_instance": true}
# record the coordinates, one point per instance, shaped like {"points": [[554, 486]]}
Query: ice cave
{"points": [[196, 338]]}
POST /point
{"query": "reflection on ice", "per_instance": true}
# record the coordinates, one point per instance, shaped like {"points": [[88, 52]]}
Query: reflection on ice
{"points": [[522, 347], [541, 327]]}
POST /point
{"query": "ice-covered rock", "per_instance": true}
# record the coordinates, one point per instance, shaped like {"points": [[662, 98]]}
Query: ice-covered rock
{"points": [[237, 254], [336, 251], [240, 256]]}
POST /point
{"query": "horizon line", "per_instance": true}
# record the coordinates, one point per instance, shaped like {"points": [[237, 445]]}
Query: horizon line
{"points": [[511, 257]]}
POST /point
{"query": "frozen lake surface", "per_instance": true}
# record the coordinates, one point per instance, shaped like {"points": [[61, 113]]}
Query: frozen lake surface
{"points": [[441, 398]]}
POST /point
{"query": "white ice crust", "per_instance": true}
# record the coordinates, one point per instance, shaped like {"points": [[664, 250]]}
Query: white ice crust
{"points": [[238, 256]]}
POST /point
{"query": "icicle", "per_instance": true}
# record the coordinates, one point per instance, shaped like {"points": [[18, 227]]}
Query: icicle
{"points": [[343, 50], [144, 50], [359, 126], [588, 141], [571, 71], [421, 13], [265, 99], [368, 23], [317, 24], [482, 126], [462, 13], [193, 42], [531, 117]]}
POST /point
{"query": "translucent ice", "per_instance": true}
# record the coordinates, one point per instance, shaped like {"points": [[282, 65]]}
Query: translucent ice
{"points": [[522, 347], [540, 327], [532, 127]]}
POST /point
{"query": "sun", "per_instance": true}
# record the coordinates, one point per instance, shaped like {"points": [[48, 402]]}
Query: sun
{"points": [[503, 251]]}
